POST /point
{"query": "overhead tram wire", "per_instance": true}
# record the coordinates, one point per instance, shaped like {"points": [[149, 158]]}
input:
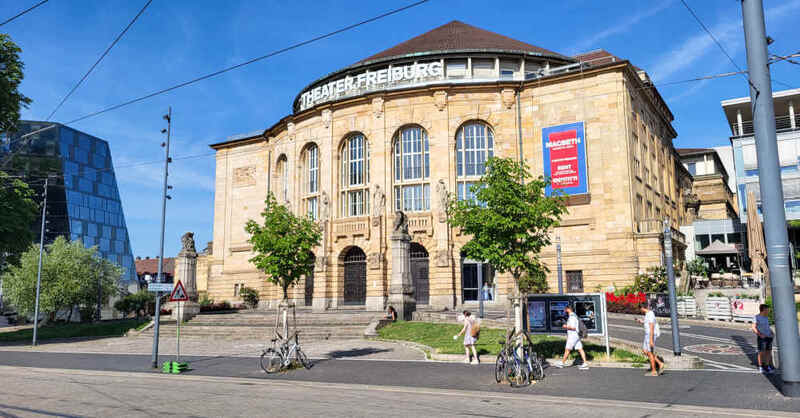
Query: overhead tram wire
{"points": [[254, 60], [103, 55], [23, 12]]}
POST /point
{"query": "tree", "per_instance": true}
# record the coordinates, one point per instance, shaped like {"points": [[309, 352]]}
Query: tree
{"points": [[283, 244], [509, 222], [11, 100], [70, 277], [18, 211]]}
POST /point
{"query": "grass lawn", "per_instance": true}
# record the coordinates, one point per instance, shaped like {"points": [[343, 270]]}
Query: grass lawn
{"points": [[440, 338], [102, 329]]}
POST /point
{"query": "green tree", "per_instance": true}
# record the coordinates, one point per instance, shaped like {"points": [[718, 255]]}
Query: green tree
{"points": [[11, 100], [509, 222], [18, 211], [70, 277], [283, 244]]}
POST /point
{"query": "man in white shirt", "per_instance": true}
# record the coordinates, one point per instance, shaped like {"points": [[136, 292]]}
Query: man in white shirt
{"points": [[764, 340], [573, 339], [651, 332]]}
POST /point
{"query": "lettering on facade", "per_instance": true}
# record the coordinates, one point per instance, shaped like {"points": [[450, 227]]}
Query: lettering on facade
{"points": [[370, 81], [244, 176]]}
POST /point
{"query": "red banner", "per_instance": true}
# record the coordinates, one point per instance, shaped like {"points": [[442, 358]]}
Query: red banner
{"points": [[564, 159]]}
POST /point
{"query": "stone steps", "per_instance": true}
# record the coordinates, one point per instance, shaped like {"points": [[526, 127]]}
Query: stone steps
{"points": [[234, 333]]}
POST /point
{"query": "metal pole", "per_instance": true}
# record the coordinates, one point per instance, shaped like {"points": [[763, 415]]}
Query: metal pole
{"points": [[558, 268], [769, 177], [39, 271], [480, 290], [98, 312], [604, 311], [673, 299], [180, 316], [159, 278]]}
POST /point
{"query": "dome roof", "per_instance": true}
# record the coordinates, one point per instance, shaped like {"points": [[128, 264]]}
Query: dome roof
{"points": [[458, 36]]}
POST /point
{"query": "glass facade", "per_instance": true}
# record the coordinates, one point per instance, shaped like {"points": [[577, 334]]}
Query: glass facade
{"points": [[83, 198]]}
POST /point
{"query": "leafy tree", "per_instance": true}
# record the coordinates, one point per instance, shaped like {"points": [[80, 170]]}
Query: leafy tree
{"points": [[70, 277], [11, 100], [249, 296], [139, 303], [283, 244], [697, 267], [18, 211], [654, 280], [509, 222]]}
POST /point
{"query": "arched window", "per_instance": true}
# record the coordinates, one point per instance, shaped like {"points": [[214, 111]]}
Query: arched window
{"points": [[411, 170], [474, 146], [311, 184], [283, 179], [354, 179]]}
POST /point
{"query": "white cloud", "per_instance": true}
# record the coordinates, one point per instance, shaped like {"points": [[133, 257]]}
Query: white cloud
{"points": [[617, 27]]}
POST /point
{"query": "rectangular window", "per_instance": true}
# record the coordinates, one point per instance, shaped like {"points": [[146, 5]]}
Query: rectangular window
{"points": [[532, 69], [509, 69], [701, 241], [413, 198], [574, 281], [749, 156], [313, 211], [483, 68], [734, 238], [456, 68], [718, 237], [787, 153], [692, 167]]}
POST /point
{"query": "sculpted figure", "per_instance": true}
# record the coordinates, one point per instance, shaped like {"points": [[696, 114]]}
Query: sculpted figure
{"points": [[400, 222], [187, 240]]}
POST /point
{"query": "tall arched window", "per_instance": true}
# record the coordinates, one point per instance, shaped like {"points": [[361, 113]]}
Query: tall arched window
{"points": [[283, 179], [474, 146], [311, 186], [411, 170], [354, 179]]}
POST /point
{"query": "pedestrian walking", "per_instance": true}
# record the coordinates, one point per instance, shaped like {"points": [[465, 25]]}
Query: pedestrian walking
{"points": [[471, 332], [573, 327], [764, 338], [651, 332]]}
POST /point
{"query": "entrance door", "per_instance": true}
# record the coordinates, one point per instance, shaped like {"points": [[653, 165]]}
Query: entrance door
{"points": [[355, 277], [419, 271], [309, 288], [574, 281]]}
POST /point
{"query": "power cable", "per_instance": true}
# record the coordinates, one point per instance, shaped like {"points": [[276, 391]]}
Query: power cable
{"points": [[75, 87], [23, 12], [714, 38], [233, 67]]}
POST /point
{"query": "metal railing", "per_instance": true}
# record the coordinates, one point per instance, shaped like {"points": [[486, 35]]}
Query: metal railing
{"points": [[782, 124]]}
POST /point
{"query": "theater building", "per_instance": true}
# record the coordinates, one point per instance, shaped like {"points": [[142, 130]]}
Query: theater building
{"points": [[407, 127]]}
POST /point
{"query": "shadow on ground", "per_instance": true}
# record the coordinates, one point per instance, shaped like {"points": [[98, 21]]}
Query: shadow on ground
{"points": [[357, 352]]}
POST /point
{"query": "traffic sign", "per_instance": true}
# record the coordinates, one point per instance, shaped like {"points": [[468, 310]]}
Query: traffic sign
{"points": [[159, 287], [179, 293]]}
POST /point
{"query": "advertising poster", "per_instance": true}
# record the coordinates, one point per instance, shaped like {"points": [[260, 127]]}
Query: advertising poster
{"points": [[557, 315], [537, 315], [564, 154], [587, 312]]}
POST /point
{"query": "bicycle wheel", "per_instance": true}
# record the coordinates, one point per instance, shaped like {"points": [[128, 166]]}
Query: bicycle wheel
{"points": [[537, 371], [517, 374], [500, 367], [301, 358], [271, 361]]}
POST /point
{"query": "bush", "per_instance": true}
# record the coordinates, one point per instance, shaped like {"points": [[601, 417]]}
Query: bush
{"points": [[205, 301], [216, 307], [249, 296], [140, 303], [653, 281], [697, 267], [629, 303]]}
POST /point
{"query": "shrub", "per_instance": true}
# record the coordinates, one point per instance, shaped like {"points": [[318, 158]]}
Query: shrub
{"points": [[653, 281], [140, 303], [205, 301], [249, 296], [216, 307], [697, 267]]}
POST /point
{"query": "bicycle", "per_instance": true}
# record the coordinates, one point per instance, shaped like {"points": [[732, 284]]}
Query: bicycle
{"points": [[518, 371], [282, 353]]}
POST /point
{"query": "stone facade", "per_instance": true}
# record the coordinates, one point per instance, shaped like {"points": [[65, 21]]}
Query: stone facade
{"points": [[609, 235]]}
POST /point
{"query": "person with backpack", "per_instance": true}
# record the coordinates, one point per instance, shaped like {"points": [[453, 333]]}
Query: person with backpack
{"points": [[471, 331], [575, 331], [651, 332]]}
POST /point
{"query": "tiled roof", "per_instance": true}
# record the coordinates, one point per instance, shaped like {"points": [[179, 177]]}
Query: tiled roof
{"points": [[692, 151], [456, 36], [150, 266]]}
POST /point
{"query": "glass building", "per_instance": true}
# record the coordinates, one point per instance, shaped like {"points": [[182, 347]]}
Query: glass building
{"points": [[83, 199]]}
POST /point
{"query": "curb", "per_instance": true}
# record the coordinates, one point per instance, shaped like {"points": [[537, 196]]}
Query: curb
{"points": [[685, 361], [689, 321]]}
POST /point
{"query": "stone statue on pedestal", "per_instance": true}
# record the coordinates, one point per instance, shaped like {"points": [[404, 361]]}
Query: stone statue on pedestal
{"points": [[401, 285], [186, 272]]}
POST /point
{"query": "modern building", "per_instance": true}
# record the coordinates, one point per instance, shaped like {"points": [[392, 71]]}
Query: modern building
{"points": [[712, 217], [83, 200], [787, 124], [404, 129]]}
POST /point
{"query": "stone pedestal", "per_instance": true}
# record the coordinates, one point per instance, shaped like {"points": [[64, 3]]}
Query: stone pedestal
{"points": [[184, 313], [186, 272], [401, 284]]}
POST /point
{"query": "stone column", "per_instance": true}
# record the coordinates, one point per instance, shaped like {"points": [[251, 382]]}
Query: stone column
{"points": [[186, 272], [401, 285]]}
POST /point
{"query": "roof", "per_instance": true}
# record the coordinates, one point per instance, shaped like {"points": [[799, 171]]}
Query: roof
{"points": [[456, 36], [150, 266], [693, 151], [598, 57], [717, 248]]}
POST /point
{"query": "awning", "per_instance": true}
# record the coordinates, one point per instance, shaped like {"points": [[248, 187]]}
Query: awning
{"points": [[718, 248]]}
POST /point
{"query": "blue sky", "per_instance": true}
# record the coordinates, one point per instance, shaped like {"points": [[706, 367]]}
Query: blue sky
{"points": [[177, 40]]}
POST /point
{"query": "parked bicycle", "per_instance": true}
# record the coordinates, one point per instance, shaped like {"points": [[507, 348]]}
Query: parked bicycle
{"points": [[518, 371], [283, 353]]}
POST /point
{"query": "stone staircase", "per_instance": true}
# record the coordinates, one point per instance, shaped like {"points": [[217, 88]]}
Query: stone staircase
{"points": [[338, 325]]}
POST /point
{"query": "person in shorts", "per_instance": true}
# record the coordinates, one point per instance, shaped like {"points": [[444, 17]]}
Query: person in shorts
{"points": [[469, 338], [651, 332], [573, 339], [764, 338]]}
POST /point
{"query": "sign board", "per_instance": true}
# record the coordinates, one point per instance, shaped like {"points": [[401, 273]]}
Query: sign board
{"points": [[564, 154], [179, 293], [545, 313], [159, 287]]}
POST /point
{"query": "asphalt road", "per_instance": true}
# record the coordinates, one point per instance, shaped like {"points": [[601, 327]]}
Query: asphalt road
{"points": [[719, 389], [720, 348], [58, 392]]}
